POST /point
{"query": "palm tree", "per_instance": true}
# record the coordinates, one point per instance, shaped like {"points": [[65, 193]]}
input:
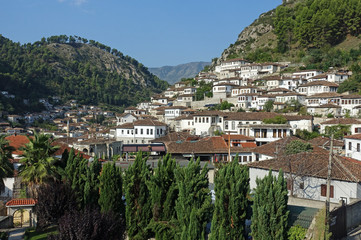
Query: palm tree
{"points": [[6, 167], [38, 164]]}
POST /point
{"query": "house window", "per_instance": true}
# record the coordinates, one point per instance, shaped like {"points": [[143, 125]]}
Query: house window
{"points": [[244, 158], [250, 158], [161, 131], [157, 131], [358, 147], [207, 120], [141, 131], [147, 131], [123, 132], [324, 190], [151, 131], [302, 185], [274, 133], [349, 146], [136, 131], [233, 125], [226, 125], [196, 119]]}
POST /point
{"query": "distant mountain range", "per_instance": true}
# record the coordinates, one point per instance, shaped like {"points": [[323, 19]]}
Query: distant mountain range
{"points": [[173, 74]]}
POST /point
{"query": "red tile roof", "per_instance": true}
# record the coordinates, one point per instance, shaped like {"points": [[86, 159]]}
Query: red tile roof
{"points": [[314, 164], [237, 137], [21, 202], [248, 145], [341, 121], [17, 141]]}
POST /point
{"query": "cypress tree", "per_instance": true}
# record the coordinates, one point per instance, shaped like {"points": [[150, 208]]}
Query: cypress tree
{"points": [[164, 192], [91, 188], [194, 204], [138, 202], [111, 191], [270, 214], [232, 189]]}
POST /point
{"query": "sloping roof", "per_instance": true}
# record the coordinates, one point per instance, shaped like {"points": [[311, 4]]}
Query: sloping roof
{"points": [[211, 145], [322, 141], [313, 164], [148, 122], [20, 202], [237, 137], [351, 96], [17, 141], [328, 105], [319, 83], [279, 90], [126, 126], [276, 147], [341, 121], [325, 95], [174, 136], [354, 136]]}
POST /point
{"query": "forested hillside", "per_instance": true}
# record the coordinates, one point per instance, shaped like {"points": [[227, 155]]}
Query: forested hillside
{"points": [[72, 68], [309, 34]]}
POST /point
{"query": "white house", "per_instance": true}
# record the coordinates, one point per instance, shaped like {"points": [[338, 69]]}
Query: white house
{"points": [[243, 89], [353, 146], [125, 118], [317, 87], [173, 112], [230, 64], [306, 74], [355, 125], [350, 104], [306, 175], [141, 131], [222, 90]]}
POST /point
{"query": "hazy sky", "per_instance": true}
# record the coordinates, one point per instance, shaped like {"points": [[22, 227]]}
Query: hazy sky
{"points": [[155, 32]]}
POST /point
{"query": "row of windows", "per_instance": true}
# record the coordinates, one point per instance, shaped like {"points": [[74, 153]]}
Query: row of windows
{"points": [[323, 188], [354, 101], [141, 131]]}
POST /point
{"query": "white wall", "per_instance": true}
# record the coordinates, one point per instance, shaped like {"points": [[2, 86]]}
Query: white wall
{"points": [[312, 186]]}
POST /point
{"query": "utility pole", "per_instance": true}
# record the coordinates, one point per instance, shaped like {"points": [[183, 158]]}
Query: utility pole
{"points": [[229, 146], [329, 170]]}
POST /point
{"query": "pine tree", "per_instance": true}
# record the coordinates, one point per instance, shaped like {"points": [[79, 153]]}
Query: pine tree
{"points": [[232, 189], [270, 214], [164, 192], [194, 204], [111, 190], [138, 202]]}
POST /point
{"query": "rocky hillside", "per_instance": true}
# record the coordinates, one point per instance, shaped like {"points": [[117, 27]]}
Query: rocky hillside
{"points": [[173, 74], [74, 68]]}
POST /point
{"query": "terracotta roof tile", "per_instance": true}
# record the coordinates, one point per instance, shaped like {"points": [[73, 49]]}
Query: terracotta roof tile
{"points": [[21, 202], [314, 164], [341, 121], [17, 141]]}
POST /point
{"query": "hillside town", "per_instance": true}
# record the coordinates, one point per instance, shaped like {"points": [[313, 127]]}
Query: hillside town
{"points": [[249, 114]]}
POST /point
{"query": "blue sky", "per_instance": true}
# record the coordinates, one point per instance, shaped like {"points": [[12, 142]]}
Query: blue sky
{"points": [[155, 32]]}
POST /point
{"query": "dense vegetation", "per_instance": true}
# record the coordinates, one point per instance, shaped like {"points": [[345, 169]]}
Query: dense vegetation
{"points": [[72, 68], [316, 23]]}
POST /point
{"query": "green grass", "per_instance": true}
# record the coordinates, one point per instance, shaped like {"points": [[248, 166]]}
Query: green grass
{"points": [[32, 234]]}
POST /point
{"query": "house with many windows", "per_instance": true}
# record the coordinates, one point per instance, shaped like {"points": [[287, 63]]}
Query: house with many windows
{"points": [[141, 131]]}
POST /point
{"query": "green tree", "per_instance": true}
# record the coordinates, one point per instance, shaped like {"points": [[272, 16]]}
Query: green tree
{"points": [[339, 130], [164, 192], [194, 204], [6, 167], [91, 187], [111, 190], [270, 214], [297, 146], [138, 209], [230, 208], [268, 106], [38, 165], [276, 120]]}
